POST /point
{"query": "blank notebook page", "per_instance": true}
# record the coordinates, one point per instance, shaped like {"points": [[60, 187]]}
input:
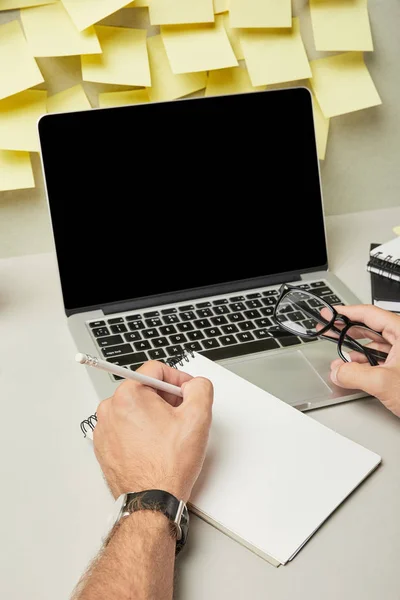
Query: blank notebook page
{"points": [[272, 474]]}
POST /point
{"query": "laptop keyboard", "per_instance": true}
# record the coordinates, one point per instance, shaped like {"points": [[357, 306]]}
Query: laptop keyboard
{"points": [[223, 327]]}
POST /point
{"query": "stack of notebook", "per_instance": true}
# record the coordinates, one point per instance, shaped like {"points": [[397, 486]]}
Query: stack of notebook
{"points": [[385, 287]]}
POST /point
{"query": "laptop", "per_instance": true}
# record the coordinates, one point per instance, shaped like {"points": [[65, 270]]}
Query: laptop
{"points": [[175, 223]]}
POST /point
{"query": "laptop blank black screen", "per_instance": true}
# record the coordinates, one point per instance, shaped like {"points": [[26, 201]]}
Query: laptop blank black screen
{"points": [[157, 198]]}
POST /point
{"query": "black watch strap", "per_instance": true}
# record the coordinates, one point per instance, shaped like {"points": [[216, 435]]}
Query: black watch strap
{"points": [[175, 510]]}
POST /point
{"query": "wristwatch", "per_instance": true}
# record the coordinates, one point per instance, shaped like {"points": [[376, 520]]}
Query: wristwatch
{"points": [[175, 510]]}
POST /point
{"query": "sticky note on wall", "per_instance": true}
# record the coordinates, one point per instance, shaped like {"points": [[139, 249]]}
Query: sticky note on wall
{"points": [[15, 170], [342, 84], [229, 81], [276, 55], [18, 120], [87, 12], [18, 68], [174, 12], [109, 99], [70, 100], [198, 47], [165, 85], [50, 31], [13, 4], [124, 60], [260, 13], [221, 6], [340, 25]]}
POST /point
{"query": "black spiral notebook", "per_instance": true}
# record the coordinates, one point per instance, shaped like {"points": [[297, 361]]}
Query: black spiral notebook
{"points": [[384, 260], [385, 292]]}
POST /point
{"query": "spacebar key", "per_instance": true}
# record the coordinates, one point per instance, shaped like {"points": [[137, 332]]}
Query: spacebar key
{"points": [[240, 349]]}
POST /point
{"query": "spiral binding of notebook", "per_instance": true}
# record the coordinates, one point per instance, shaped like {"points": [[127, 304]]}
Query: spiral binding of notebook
{"points": [[386, 266], [88, 425]]}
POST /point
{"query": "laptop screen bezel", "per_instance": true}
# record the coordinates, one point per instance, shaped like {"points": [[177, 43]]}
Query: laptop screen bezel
{"points": [[186, 293]]}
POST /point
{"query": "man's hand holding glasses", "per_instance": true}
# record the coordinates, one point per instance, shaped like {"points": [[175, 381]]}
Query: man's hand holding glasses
{"points": [[367, 338]]}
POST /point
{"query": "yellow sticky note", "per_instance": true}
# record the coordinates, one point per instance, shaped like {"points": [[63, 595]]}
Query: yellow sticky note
{"points": [[233, 35], [138, 4], [18, 120], [396, 230], [275, 56], [15, 170], [321, 125], [12, 4], [341, 25], [70, 100], [221, 6], [87, 12], [18, 68], [229, 81], [178, 12], [342, 84], [165, 85], [109, 99], [198, 47], [261, 13], [50, 31], [124, 60]]}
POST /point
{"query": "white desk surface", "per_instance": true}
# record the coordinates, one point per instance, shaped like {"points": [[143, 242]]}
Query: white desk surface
{"points": [[55, 504]]}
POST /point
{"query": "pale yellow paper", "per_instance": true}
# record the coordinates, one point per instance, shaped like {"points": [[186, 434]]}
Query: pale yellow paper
{"points": [[70, 100], [124, 60], [396, 230], [321, 125], [18, 68], [87, 12], [12, 4], [234, 36], [230, 81], [341, 25], [109, 99], [179, 12], [342, 84], [261, 13], [221, 6], [165, 85], [50, 31], [18, 120], [198, 47], [15, 170], [138, 4], [275, 56]]}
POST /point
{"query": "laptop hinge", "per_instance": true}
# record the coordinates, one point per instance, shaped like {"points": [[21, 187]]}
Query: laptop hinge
{"points": [[186, 295]]}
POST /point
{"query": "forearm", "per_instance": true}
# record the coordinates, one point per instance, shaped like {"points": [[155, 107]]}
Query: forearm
{"points": [[137, 563]]}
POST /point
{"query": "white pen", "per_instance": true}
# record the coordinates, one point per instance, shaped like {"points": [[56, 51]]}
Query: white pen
{"points": [[92, 361]]}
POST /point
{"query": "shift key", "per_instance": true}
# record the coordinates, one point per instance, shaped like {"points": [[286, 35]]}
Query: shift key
{"points": [[128, 359]]}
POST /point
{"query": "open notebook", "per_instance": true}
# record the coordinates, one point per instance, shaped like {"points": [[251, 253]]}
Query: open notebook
{"points": [[272, 474]]}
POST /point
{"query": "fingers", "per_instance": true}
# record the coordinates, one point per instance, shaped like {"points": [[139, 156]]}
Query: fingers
{"points": [[355, 375], [159, 370], [198, 396], [381, 320]]}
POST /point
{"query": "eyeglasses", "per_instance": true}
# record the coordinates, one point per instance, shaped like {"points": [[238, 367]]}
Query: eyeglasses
{"points": [[298, 311]]}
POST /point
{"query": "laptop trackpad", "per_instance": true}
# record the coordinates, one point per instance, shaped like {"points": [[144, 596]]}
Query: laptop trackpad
{"points": [[289, 377]]}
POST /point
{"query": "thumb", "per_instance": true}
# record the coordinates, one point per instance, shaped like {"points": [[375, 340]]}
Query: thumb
{"points": [[372, 380], [198, 393]]}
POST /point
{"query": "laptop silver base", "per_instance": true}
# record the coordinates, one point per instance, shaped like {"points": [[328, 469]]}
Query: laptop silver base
{"points": [[298, 375]]}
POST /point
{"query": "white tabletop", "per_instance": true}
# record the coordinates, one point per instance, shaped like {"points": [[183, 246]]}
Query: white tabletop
{"points": [[55, 503]]}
